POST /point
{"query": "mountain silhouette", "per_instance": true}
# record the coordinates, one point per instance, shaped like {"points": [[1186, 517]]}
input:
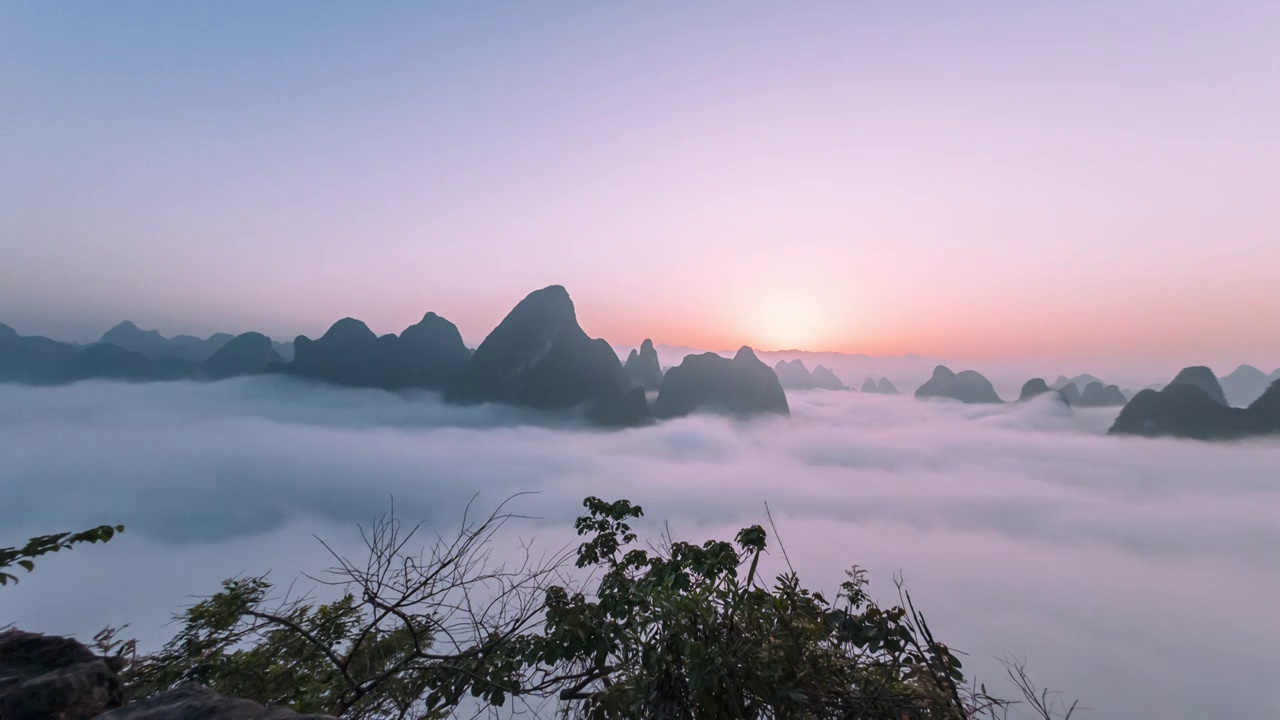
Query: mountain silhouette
{"points": [[825, 378], [643, 368], [741, 387], [1033, 388], [540, 357], [1188, 410], [793, 375], [884, 387], [1244, 385], [1097, 395], [1203, 378], [247, 354], [967, 386]]}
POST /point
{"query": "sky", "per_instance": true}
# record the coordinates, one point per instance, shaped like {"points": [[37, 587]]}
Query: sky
{"points": [[1138, 575], [990, 181]]}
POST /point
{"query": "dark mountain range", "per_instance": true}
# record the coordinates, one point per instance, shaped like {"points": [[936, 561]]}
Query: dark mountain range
{"points": [[1097, 395], [884, 387], [967, 386], [825, 378], [741, 387], [1245, 384], [1188, 410], [539, 357], [247, 354], [1203, 378], [156, 346], [643, 368]]}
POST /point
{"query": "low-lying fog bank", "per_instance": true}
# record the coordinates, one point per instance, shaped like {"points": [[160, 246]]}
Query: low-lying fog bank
{"points": [[1138, 575]]}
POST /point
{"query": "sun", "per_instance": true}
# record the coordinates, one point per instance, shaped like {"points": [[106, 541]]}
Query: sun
{"points": [[789, 321]]}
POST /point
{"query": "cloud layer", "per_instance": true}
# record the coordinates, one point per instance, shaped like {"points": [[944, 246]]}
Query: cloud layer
{"points": [[1133, 573]]}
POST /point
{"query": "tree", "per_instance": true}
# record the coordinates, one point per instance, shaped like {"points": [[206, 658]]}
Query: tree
{"points": [[24, 557]]}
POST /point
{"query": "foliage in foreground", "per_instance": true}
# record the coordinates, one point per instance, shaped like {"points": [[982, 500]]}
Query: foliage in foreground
{"points": [[679, 631], [24, 556]]}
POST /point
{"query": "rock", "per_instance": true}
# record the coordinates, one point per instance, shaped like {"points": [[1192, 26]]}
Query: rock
{"points": [[1203, 378], [824, 378], [1096, 395], [967, 386], [740, 387], [247, 354], [793, 375], [44, 677], [1033, 388], [540, 357], [193, 701], [643, 368], [1244, 385]]}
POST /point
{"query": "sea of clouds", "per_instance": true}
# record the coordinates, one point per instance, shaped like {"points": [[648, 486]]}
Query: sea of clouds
{"points": [[1138, 575]]}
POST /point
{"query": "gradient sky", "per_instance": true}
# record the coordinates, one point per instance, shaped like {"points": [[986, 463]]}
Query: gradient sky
{"points": [[1082, 181]]}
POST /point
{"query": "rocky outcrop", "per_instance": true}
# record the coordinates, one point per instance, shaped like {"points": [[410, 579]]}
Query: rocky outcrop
{"points": [[247, 354], [1203, 378], [193, 701], [967, 386], [869, 386], [825, 378], [741, 387], [539, 357], [1097, 395], [1188, 410], [44, 677], [643, 368], [1244, 385]]}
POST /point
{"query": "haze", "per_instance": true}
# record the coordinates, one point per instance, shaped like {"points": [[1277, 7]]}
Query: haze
{"points": [[989, 182]]}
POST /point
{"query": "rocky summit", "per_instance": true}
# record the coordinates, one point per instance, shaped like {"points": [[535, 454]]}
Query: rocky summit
{"points": [[741, 387]]}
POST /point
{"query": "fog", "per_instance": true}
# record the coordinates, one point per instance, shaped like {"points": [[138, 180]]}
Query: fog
{"points": [[1138, 575]]}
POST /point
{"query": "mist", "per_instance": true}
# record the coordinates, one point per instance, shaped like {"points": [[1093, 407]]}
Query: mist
{"points": [[1135, 574]]}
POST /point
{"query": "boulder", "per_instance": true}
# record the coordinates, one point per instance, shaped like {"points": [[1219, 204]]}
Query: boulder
{"points": [[967, 386], [539, 357], [643, 368], [1203, 378], [741, 387], [193, 701], [43, 677]]}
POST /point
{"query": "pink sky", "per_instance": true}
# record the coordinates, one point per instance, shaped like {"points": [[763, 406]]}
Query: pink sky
{"points": [[994, 182]]}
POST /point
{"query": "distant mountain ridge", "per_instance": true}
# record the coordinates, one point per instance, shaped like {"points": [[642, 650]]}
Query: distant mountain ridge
{"points": [[1192, 406]]}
